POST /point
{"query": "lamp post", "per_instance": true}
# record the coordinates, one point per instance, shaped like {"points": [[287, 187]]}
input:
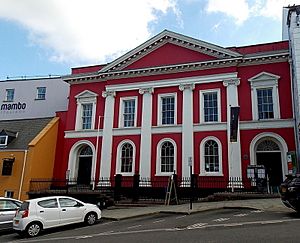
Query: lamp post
{"points": [[96, 150], [190, 163]]}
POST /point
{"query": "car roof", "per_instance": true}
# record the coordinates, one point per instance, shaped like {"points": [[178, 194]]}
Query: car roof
{"points": [[48, 197], [8, 198]]}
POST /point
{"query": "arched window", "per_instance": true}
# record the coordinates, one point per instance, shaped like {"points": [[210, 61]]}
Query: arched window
{"points": [[126, 158], [211, 156], [167, 157], [267, 145], [86, 152]]}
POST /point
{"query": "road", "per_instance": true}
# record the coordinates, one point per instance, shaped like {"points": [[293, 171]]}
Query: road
{"points": [[226, 225]]}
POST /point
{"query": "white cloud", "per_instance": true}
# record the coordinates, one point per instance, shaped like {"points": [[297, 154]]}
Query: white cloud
{"points": [[241, 10], [86, 30]]}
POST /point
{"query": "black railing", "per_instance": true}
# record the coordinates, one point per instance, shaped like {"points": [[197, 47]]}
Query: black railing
{"points": [[135, 188]]}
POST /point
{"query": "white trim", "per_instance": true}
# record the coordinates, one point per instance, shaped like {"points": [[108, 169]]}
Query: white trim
{"points": [[279, 141], [172, 82], [159, 108], [265, 80], [201, 93], [73, 158], [202, 159], [158, 153], [121, 110], [118, 158]]}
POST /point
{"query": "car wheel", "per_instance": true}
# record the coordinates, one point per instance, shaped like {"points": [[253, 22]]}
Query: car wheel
{"points": [[90, 218], [33, 229]]}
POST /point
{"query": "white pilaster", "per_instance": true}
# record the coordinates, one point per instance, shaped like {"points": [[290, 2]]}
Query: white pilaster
{"points": [[106, 149], [145, 150], [234, 148], [187, 127]]}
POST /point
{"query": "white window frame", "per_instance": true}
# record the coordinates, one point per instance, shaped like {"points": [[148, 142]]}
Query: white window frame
{"points": [[86, 97], [202, 157], [159, 116], [6, 140], [118, 159], [38, 93], [202, 92], [158, 155], [265, 80], [6, 95], [121, 109]]}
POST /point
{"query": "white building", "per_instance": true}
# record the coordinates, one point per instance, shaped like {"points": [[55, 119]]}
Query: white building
{"points": [[32, 98], [291, 32]]}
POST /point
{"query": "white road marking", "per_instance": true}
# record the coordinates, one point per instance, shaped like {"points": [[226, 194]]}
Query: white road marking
{"points": [[256, 211], [158, 221], [180, 217], [134, 226], [196, 226], [241, 215], [221, 219]]}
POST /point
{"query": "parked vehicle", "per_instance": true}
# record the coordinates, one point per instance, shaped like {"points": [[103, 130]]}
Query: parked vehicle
{"points": [[290, 192], [42, 213], [8, 208]]}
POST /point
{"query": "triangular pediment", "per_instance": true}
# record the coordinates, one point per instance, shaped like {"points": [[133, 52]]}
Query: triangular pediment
{"points": [[86, 94], [173, 48], [264, 76]]}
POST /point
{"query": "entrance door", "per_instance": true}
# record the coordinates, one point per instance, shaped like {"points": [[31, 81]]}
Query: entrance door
{"points": [[84, 170], [272, 163]]}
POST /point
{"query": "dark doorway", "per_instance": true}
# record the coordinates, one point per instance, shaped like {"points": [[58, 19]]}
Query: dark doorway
{"points": [[272, 163], [84, 170]]}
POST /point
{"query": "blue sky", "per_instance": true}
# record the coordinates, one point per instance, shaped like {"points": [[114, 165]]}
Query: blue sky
{"points": [[49, 37]]}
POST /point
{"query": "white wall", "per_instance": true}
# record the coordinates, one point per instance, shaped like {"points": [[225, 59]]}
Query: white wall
{"points": [[57, 92]]}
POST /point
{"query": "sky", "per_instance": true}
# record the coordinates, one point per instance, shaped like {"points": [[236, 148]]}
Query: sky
{"points": [[49, 37]]}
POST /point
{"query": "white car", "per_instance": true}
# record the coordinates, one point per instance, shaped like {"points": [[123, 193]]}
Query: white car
{"points": [[8, 208], [47, 212]]}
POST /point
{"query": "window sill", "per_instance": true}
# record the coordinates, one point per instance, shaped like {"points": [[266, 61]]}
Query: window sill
{"points": [[164, 174], [211, 174]]}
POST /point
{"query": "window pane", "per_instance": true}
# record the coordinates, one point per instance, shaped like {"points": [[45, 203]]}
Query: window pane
{"points": [[210, 103], [126, 158], [265, 103], [211, 156], [128, 113], [87, 116], [168, 110], [41, 93], [10, 94], [167, 157]]}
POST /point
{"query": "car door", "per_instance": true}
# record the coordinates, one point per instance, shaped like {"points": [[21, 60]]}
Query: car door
{"points": [[71, 211], [47, 210], [7, 211]]}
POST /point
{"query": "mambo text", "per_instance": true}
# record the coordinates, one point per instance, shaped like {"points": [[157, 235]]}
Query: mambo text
{"points": [[14, 106]]}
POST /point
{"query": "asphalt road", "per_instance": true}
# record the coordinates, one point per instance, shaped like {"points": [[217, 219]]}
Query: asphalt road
{"points": [[226, 225]]}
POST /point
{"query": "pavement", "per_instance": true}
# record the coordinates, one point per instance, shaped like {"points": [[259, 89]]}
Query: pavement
{"points": [[125, 212]]}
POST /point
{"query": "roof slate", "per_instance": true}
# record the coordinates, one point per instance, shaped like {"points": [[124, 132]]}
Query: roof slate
{"points": [[27, 130]]}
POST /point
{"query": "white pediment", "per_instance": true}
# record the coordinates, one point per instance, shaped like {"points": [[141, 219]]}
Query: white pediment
{"points": [[86, 94], [264, 76]]}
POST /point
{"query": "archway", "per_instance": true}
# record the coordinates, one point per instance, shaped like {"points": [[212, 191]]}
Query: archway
{"points": [[85, 159]]}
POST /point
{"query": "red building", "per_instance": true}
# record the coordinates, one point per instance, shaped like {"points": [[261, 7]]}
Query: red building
{"points": [[174, 101]]}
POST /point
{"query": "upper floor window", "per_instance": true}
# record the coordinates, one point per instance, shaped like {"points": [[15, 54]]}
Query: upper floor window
{"points": [[167, 109], [41, 93], [128, 112], [87, 116], [3, 140], [210, 106], [10, 94], [211, 157], [86, 110], [265, 96], [166, 157], [265, 103]]}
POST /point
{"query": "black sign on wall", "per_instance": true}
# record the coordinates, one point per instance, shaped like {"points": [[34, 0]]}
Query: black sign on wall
{"points": [[234, 123]]}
